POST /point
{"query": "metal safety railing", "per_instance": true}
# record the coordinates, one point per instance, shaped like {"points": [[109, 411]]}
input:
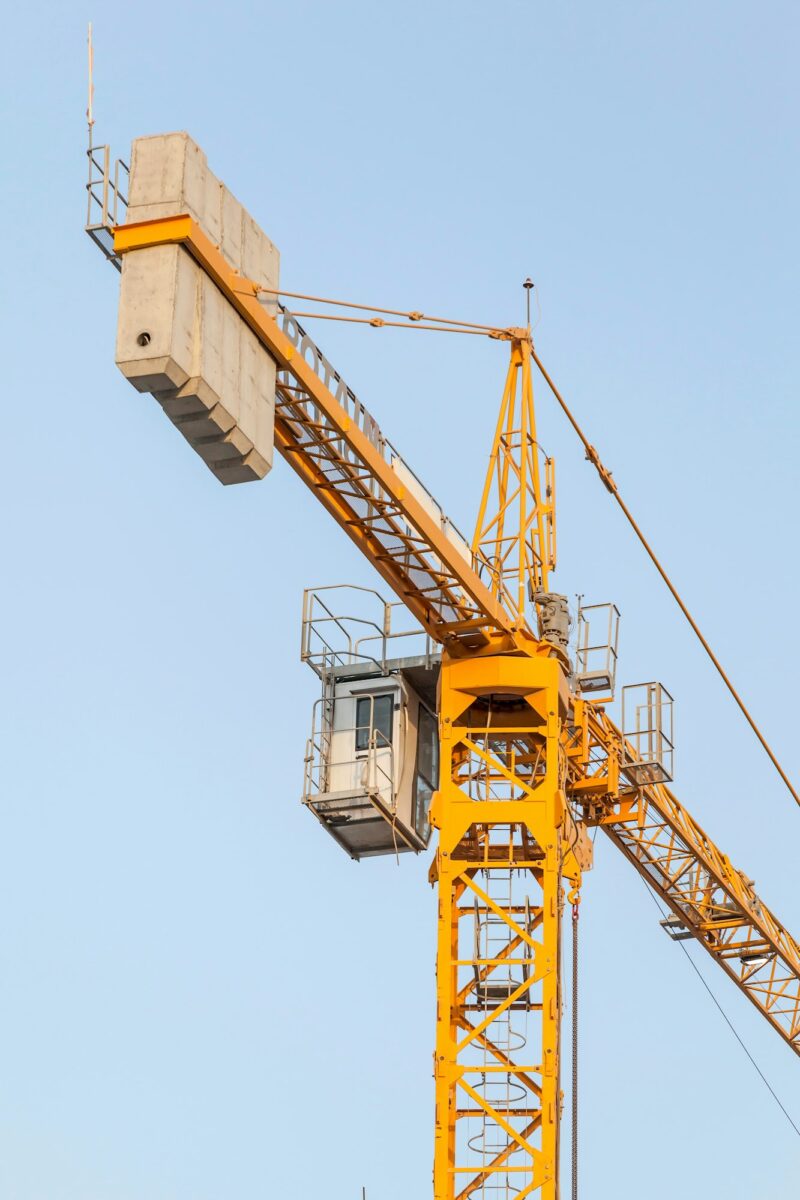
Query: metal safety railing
{"points": [[596, 647], [106, 199], [648, 740], [359, 633]]}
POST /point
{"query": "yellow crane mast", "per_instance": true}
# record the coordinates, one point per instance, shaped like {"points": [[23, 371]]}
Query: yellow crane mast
{"points": [[528, 763]]}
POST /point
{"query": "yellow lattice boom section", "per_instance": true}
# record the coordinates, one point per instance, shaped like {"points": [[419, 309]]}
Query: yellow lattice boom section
{"points": [[713, 900]]}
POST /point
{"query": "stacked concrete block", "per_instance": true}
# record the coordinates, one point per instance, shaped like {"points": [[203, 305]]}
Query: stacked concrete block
{"points": [[177, 336]]}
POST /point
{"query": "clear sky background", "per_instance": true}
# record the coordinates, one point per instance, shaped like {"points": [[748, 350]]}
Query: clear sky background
{"points": [[202, 998]]}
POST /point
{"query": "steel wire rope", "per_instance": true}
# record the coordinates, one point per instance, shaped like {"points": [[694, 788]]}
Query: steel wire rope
{"points": [[611, 486], [411, 315], [574, 1130], [379, 323], [664, 914]]}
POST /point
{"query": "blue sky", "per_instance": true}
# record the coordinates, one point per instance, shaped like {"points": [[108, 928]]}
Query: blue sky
{"points": [[202, 997]]}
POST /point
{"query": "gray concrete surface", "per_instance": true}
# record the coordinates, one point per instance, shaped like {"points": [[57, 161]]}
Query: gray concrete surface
{"points": [[177, 336]]}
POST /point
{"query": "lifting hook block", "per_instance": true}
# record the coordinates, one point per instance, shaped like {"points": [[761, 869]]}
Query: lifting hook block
{"points": [[574, 898]]}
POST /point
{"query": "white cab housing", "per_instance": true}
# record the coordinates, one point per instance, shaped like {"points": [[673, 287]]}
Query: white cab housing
{"points": [[372, 764]]}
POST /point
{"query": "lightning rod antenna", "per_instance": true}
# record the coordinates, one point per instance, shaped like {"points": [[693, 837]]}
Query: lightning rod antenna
{"points": [[90, 105], [528, 284]]}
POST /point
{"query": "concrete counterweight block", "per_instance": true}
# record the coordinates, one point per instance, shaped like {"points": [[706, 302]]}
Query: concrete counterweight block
{"points": [[156, 326], [178, 337]]}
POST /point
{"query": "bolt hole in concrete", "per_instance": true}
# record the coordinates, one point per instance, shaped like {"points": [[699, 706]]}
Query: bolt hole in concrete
{"points": [[144, 338]]}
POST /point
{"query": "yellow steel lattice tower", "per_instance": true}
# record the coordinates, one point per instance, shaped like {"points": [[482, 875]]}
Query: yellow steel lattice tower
{"points": [[506, 839]]}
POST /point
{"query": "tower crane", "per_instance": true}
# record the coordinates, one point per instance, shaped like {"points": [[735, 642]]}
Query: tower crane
{"points": [[529, 761]]}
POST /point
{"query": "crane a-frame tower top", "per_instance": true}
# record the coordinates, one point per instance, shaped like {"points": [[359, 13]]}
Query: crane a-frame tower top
{"points": [[528, 762]]}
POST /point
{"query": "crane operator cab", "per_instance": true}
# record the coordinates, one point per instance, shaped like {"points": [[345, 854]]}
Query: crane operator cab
{"points": [[371, 762]]}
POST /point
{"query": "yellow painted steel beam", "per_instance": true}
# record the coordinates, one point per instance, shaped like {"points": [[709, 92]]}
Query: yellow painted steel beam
{"points": [[714, 900]]}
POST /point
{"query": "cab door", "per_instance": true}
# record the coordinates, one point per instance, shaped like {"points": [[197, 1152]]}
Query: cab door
{"points": [[374, 742]]}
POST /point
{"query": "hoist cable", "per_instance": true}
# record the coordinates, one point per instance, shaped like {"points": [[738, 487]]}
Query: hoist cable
{"points": [[610, 484], [724, 1015], [574, 1052]]}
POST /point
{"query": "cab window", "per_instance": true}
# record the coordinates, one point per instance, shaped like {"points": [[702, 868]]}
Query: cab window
{"points": [[374, 715], [426, 774]]}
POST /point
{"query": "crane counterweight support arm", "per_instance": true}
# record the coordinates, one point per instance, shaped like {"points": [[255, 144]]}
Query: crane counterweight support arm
{"points": [[336, 447]]}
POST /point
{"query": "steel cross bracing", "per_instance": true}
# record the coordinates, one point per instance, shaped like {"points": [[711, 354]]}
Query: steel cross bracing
{"points": [[714, 901]]}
